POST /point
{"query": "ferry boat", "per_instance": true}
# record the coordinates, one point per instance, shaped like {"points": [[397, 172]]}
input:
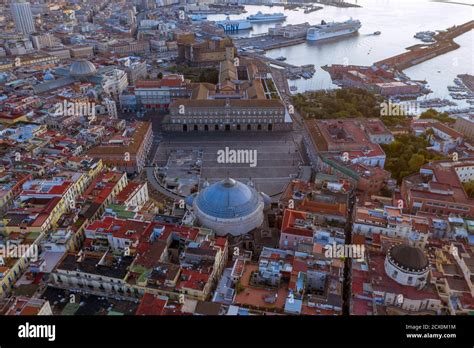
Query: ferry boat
{"points": [[266, 17], [232, 25], [333, 29]]}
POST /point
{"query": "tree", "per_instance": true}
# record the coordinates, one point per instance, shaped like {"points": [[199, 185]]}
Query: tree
{"points": [[340, 103], [415, 162], [443, 117], [406, 154], [160, 75], [395, 146], [430, 113], [239, 287], [385, 192]]}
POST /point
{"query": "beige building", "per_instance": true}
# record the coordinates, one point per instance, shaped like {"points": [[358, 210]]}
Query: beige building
{"points": [[208, 52], [81, 51], [465, 125], [244, 99], [227, 115], [44, 41], [130, 47], [127, 151]]}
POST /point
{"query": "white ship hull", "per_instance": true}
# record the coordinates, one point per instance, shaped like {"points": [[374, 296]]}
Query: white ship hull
{"points": [[262, 17], [316, 34], [270, 19], [229, 26], [322, 36]]}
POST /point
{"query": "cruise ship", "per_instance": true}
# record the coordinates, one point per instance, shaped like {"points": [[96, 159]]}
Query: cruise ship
{"points": [[333, 29], [233, 25], [266, 17]]}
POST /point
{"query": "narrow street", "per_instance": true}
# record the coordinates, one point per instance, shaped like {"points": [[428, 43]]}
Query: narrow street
{"points": [[301, 126]]}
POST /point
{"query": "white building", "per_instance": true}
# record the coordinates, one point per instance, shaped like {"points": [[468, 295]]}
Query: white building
{"points": [[114, 82], [444, 139], [390, 221], [23, 18]]}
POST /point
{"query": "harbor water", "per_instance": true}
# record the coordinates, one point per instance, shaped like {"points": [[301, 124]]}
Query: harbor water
{"points": [[397, 20]]}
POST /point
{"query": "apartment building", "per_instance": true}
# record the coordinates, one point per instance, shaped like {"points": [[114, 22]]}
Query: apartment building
{"points": [[126, 151], [438, 189]]}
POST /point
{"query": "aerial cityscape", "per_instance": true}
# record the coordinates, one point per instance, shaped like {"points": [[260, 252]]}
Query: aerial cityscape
{"points": [[236, 158]]}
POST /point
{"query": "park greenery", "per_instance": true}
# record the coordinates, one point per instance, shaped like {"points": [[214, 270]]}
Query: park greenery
{"points": [[239, 287], [338, 103], [356, 102], [396, 122], [197, 74], [443, 117], [406, 154], [403, 122]]}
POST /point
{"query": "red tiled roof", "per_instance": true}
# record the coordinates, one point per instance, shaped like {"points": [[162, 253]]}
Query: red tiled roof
{"points": [[381, 282], [289, 218], [119, 228], [127, 192], [151, 305], [166, 81], [194, 280]]}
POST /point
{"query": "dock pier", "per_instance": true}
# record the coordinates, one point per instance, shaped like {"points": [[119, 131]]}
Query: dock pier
{"points": [[419, 53]]}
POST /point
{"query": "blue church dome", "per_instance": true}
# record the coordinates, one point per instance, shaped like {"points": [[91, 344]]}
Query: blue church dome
{"points": [[48, 77], [228, 199]]}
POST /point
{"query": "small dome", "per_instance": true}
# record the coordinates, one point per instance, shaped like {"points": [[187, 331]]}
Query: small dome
{"points": [[48, 77], [92, 93], [227, 199], [408, 257], [82, 68], [190, 199]]}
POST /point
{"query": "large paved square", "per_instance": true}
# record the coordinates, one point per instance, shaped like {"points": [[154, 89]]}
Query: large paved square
{"points": [[278, 156]]}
